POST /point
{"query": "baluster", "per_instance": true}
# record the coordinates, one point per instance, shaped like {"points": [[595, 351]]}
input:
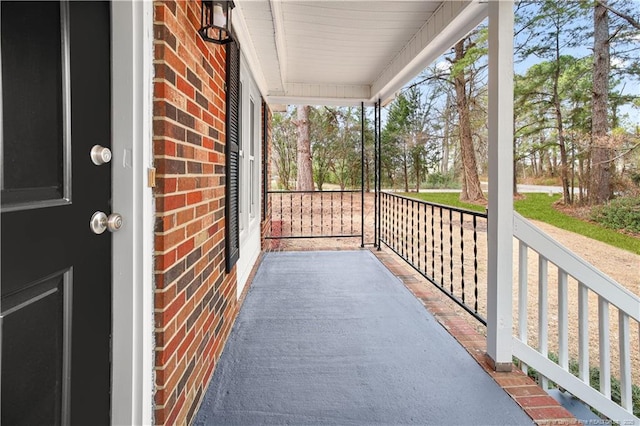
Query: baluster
{"points": [[395, 215], [543, 314], [281, 196], [523, 294], [403, 240], [605, 351], [301, 213], [426, 238], [312, 202], [451, 250], [332, 217], [341, 212], [388, 228], [563, 320], [462, 254], [291, 208], [412, 229], [398, 243], [270, 196], [418, 222], [625, 361], [387, 212], [441, 251], [322, 212], [383, 218], [433, 244], [583, 333], [351, 201], [475, 264]]}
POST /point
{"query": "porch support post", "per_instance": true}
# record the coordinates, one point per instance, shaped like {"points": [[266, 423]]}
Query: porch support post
{"points": [[362, 176], [500, 227], [379, 174], [376, 171]]}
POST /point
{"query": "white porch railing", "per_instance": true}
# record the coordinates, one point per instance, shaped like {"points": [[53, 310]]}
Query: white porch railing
{"points": [[582, 278]]}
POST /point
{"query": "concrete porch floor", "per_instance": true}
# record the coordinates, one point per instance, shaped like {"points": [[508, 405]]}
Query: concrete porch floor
{"points": [[336, 338]]}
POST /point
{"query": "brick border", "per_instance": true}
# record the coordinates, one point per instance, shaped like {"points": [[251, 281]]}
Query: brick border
{"points": [[542, 408]]}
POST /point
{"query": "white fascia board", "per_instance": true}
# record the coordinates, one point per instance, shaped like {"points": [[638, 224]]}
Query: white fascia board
{"points": [[277, 16], [451, 22], [291, 100], [322, 94]]}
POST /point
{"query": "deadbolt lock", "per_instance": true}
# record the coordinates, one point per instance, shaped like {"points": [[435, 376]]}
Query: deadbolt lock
{"points": [[100, 155], [100, 222]]}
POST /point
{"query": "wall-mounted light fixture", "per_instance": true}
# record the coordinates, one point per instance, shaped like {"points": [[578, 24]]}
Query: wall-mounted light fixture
{"points": [[215, 21]]}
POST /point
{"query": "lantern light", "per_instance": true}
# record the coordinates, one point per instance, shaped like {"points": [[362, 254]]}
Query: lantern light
{"points": [[215, 21]]}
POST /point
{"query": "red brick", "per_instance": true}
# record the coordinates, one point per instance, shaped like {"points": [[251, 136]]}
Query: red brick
{"points": [[185, 87], [549, 413], [194, 197], [185, 248], [164, 147], [171, 202], [184, 216], [517, 391], [536, 401], [170, 311], [171, 420], [166, 54], [164, 261], [187, 183], [171, 239], [194, 109]]}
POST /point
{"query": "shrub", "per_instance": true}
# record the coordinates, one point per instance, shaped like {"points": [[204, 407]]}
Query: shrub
{"points": [[621, 213]]}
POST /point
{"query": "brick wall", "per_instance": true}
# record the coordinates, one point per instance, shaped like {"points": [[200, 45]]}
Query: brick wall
{"points": [[195, 302]]}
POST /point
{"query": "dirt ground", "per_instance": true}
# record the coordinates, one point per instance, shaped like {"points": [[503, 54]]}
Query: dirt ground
{"points": [[622, 266]]}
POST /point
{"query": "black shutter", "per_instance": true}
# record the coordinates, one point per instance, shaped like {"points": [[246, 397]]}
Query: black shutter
{"points": [[232, 229]]}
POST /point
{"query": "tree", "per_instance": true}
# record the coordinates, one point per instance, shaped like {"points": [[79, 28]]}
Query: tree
{"points": [[305, 172], [471, 189], [395, 139], [600, 182], [284, 148], [550, 20], [323, 131]]}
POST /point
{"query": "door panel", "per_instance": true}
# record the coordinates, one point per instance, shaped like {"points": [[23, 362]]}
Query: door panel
{"points": [[34, 118], [56, 274]]}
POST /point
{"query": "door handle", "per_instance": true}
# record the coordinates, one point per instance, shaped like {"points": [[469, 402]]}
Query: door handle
{"points": [[100, 222]]}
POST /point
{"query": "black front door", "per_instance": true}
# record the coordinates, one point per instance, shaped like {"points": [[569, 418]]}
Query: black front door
{"points": [[55, 304]]}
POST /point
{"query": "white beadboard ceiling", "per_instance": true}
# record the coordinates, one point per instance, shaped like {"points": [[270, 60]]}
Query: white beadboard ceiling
{"points": [[345, 52]]}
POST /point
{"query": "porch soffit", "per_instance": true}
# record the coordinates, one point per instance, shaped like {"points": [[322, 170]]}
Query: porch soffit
{"points": [[346, 52]]}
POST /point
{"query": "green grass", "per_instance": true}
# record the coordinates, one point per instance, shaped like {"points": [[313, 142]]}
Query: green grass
{"points": [[446, 198], [540, 207]]}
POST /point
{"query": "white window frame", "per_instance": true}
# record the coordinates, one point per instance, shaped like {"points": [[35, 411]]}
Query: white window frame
{"points": [[250, 168]]}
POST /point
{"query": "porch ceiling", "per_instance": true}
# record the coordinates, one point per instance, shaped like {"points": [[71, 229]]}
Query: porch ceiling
{"points": [[346, 52]]}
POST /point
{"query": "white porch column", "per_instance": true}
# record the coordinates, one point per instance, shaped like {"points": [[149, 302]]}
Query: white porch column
{"points": [[500, 231]]}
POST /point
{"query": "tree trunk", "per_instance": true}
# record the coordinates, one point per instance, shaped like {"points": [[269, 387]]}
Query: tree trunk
{"points": [[405, 171], [305, 171], [564, 170], [600, 176], [444, 165], [471, 189]]}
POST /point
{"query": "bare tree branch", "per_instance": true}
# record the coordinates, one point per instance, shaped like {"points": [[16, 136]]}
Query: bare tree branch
{"points": [[624, 16]]}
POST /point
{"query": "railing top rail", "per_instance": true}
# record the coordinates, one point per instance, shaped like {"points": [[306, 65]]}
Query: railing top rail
{"points": [[336, 191], [444, 206], [575, 266]]}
